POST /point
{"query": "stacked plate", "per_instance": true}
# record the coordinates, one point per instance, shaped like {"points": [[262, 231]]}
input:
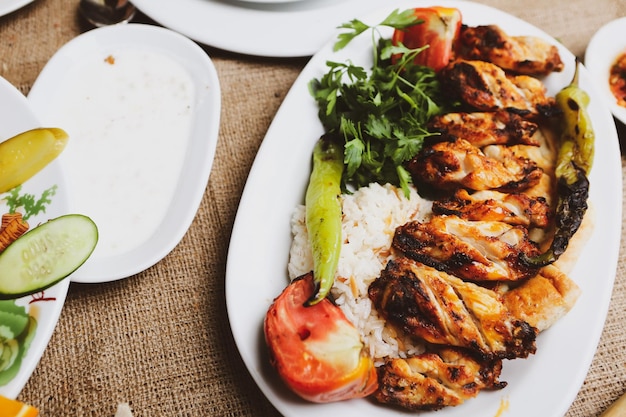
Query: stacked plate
{"points": [[276, 28]]}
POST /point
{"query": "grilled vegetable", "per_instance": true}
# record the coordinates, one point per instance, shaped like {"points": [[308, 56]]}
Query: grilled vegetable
{"points": [[316, 350], [577, 140], [323, 214], [27, 153], [439, 32], [574, 163]]}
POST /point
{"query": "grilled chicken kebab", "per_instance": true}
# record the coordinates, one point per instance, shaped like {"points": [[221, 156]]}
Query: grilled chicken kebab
{"points": [[457, 281]]}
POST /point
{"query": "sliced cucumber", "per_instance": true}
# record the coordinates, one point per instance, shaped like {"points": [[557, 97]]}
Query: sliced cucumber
{"points": [[46, 254]]}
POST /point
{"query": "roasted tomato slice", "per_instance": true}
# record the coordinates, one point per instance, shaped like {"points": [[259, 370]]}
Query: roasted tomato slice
{"points": [[440, 31], [317, 352]]}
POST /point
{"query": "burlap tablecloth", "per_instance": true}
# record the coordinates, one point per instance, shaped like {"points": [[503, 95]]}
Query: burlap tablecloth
{"points": [[160, 340]]}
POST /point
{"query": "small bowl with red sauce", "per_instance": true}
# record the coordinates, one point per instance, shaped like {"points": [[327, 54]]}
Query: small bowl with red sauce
{"points": [[605, 58]]}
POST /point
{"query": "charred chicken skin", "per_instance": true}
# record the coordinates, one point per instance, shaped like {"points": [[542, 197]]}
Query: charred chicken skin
{"points": [[486, 87], [433, 380], [459, 164], [445, 310], [478, 251], [489, 205], [527, 55], [486, 128]]}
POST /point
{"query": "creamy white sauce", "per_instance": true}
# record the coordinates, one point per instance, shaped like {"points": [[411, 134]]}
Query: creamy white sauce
{"points": [[129, 119]]}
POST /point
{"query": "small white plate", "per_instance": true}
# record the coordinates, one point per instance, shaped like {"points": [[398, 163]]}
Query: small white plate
{"points": [[603, 49], [9, 6], [271, 29], [120, 52], [45, 308]]}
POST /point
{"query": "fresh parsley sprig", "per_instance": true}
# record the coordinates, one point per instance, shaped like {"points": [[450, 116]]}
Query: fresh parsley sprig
{"points": [[396, 20], [382, 113]]}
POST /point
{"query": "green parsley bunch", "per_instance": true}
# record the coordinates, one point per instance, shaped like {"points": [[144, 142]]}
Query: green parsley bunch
{"points": [[381, 114]]}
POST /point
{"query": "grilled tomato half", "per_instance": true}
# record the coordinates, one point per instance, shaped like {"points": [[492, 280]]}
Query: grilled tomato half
{"points": [[316, 350], [439, 30]]}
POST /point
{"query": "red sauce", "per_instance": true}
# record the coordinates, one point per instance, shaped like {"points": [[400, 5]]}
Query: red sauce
{"points": [[617, 79]]}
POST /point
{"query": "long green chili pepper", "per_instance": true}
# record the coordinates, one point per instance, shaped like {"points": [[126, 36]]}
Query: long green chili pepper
{"points": [[574, 162], [323, 214]]}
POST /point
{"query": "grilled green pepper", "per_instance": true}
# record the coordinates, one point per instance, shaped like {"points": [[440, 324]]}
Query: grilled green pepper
{"points": [[574, 162], [577, 140], [323, 214]]}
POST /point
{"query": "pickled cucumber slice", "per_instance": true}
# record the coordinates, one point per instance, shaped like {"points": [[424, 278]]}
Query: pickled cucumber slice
{"points": [[27, 153], [46, 254]]}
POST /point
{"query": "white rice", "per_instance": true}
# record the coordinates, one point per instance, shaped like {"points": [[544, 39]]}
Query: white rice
{"points": [[370, 217]]}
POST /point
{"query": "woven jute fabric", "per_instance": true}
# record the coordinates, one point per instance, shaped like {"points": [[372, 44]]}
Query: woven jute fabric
{"points": [[160, 340]]}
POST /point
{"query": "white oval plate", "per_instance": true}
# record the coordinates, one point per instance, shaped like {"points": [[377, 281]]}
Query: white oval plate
{"points": [[17, 116], [293, 29], [97, 44], [9, 6], [603, 49], [259, 249]]}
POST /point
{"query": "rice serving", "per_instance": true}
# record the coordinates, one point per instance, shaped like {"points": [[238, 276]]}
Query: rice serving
{"points": [[370, 217]]}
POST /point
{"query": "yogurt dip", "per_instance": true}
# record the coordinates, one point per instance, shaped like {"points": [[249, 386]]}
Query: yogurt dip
{"points": [[129, 116]]}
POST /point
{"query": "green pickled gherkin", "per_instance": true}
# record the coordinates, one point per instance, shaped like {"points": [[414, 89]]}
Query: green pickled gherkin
{"points": [[323, 214], [27, 153]]}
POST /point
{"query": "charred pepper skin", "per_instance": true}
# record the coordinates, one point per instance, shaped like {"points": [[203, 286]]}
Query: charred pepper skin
{"points": [[574, 162], [570, 212], [323, 214]]}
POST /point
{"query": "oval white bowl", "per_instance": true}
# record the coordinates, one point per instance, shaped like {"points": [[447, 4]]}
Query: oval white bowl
{"points": [[100, 43]]}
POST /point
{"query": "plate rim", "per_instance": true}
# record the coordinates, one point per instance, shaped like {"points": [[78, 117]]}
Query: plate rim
{"points": [[210, 22], [13, 5], [47, 325]]}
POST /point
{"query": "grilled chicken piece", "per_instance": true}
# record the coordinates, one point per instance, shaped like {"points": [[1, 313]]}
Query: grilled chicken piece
{"points": [[543, 155], [486, 128], [529, 55], [543, 299], [434, 380], [515, 160], [488, 205], [451, 165], [477, 251], [445, 310], [486, 87]]}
